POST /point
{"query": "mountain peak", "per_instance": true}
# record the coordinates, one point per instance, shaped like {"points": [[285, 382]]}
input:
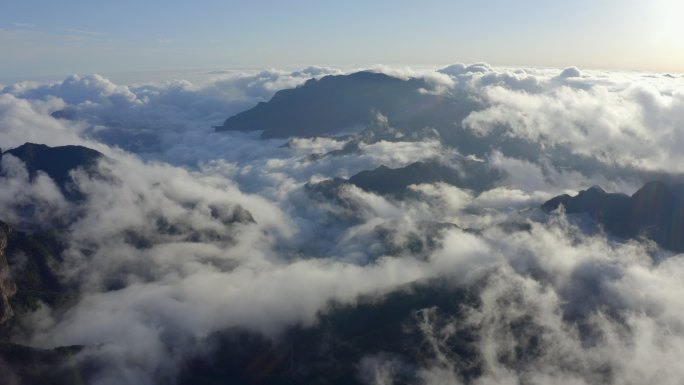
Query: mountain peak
{"points": [[595, 189], [336, 103], [56, 162]]}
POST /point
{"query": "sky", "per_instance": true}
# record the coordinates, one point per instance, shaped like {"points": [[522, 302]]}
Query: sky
{"points": [[42, 38]]}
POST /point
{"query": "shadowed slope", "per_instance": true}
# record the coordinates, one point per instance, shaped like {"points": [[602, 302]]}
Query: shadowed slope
{"points": [[336, 103], [656, 212]]}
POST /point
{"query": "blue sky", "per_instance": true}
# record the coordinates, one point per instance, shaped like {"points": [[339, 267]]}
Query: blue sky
{"points": [[39, 37]]}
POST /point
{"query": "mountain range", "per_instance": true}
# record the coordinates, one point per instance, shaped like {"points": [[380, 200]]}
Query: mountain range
{"points": [[415, 325], [655, 211], [335, 104], [413, 108]]}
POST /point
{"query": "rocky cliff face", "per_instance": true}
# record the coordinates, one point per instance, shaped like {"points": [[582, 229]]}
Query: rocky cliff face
{"points": [[27, 272], [7, 286]]}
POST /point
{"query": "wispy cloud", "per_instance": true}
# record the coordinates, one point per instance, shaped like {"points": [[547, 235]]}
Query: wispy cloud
{"points": [[25, 25], [81, 32]]}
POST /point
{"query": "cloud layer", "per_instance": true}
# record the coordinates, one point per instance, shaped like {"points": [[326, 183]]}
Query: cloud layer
{"points": [[185, 232]]}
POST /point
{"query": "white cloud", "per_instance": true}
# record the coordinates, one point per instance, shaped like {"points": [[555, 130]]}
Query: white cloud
{"points": [[161, 260], [634, 124], [570, 72], [42, 197]]}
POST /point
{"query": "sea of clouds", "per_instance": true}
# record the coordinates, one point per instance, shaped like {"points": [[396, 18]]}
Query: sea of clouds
{"points": [[603, 310]]}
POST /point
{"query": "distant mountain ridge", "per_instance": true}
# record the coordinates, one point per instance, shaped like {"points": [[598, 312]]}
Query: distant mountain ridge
{"points": [[655, 211], [395, 182], [385, 180], [414, 109], [335, 103]]}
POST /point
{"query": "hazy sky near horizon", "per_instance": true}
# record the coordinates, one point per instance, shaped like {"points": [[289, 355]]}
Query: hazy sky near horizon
{"points": [[40, 37]]}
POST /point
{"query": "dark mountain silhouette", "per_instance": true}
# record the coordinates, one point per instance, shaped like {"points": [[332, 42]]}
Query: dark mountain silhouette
{"points": [[336, 103], [330, 351], [383, 180], [21, 364], [56, 162], [656, 212]]}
